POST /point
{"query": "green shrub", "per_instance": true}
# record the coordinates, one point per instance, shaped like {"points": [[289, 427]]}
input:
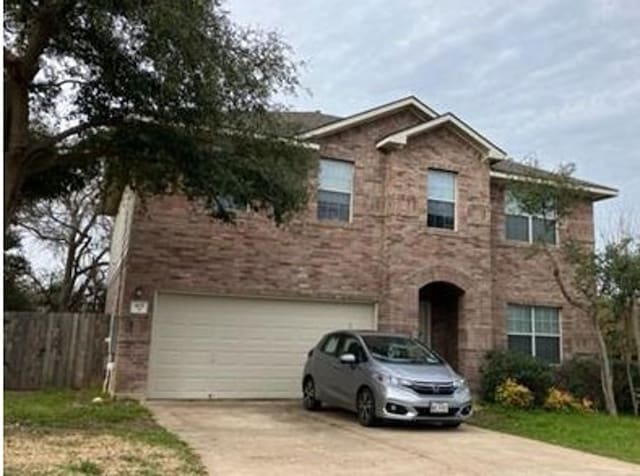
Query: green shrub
{"points": [[621, 385], [511, 394], [500, 365], [581, 377]]}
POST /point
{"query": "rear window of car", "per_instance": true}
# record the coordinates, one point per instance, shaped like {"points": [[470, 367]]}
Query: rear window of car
{"points": [[330, 345]]}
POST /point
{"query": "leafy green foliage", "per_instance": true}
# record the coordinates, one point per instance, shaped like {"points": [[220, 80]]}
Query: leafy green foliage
{"points": [[163, 96], [581, 377], [18, 295], [500, 365], [592, 432]]}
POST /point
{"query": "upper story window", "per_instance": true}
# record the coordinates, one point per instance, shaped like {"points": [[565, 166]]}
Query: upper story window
{"points": [[441, 199], [534, 330], [521, 226], [335, 190]]}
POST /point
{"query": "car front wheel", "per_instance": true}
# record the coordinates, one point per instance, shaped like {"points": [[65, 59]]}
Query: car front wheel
{"points": [[366, 407], [309, 395]]}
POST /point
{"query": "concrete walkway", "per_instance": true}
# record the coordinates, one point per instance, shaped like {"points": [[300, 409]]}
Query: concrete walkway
{"points": [[267, 438]]}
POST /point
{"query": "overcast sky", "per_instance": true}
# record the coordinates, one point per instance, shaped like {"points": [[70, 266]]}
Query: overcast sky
{"points": [[555, 80]]}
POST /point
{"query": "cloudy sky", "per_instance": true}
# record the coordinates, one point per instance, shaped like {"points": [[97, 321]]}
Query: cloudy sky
{"points": [[558, 81]]}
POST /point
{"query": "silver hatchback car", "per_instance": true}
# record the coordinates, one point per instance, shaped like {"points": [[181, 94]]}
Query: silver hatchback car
{"points": [[384, 377]]}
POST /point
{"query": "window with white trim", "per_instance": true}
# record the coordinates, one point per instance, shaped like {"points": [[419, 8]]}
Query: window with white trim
{"points": [[521, 226], [534, 330], [335, 190], [441, 199]]}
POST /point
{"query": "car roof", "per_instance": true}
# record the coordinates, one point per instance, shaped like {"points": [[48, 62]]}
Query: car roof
{"points": [[369, 332]]}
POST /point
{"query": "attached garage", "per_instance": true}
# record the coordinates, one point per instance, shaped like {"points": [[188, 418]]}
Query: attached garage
{"points": [[229, 347]]}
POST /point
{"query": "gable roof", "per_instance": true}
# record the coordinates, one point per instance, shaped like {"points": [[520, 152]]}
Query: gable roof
{"points": [[399, 139], [316, 124], [424, 111]]}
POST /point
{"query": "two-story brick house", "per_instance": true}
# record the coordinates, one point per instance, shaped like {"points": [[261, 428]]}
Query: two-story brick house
{"points": [[408, 229]]}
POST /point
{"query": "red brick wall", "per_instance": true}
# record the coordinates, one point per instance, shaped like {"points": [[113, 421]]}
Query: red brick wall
{"points": [[521, 276], [416, 255], [385, 255]]}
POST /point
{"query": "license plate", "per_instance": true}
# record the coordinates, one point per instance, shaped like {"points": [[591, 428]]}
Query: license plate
{"points": [[439, 407]]}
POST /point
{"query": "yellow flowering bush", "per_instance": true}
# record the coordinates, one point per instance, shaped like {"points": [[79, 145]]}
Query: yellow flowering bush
{"points": [[511, 394], [560, 400]]}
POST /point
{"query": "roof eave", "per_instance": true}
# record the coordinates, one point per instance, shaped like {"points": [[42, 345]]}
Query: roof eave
{"points": [[596, 193]]}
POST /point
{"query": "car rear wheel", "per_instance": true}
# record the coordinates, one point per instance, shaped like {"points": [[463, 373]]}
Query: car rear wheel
{"points": [[366, 408], [309, 395]]}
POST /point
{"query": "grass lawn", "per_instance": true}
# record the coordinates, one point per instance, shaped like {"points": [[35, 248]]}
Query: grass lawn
{"points": [[64, 433], [592, 432]]}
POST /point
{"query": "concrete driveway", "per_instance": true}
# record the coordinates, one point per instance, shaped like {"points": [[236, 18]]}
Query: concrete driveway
{"points": [[267, 438]]}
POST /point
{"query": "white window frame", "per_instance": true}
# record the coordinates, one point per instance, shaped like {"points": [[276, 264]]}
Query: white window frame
{"points": [[351, 192], [454, 201], [529, 218], [533, 334]]}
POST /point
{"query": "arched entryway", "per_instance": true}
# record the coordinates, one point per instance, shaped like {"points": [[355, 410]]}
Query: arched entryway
{"points": [[440, 305]]}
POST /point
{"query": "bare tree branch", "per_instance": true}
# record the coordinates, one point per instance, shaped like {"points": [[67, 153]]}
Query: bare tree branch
{"points": [[57, 84], [38, 233], [74, 226]]}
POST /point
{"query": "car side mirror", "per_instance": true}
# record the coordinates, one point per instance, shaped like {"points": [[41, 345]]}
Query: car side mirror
{"points": [[348, 359]]}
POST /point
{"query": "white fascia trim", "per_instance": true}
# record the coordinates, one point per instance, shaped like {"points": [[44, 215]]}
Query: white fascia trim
{"points": [[399, 139], [604, 192], [368, 115]]}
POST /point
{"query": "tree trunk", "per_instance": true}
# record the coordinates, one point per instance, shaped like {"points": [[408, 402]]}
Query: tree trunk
{"points": [[66, 287], [605, 369], [635, 326], [13, 180], [16, 131], [606, 374], [632, 388]]}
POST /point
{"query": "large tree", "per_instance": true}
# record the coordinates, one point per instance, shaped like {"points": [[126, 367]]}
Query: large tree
{"points": [[75, 231], [159, 95]]}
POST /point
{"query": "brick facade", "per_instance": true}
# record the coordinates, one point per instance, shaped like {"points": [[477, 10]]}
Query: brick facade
{"points": [[385, 255]]}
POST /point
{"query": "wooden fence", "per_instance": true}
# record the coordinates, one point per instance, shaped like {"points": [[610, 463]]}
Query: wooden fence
{"points": [[54, 349]]}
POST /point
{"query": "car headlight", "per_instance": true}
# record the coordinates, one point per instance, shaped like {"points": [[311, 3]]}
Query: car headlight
{"points": [[391, 380], [460, 384]]}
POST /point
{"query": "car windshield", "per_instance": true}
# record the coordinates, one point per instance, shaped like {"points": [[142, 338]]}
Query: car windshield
{"points": [[400, 350]]}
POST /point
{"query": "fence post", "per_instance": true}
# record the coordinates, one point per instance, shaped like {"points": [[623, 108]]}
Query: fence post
{"points": [[49, 355]]}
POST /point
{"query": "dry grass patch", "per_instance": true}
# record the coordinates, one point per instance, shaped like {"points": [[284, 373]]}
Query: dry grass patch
{"points": [[63, 433], [83, 453]]}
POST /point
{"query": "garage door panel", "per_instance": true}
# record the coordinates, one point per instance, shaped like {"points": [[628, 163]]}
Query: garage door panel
{"points": [[221, 347]]}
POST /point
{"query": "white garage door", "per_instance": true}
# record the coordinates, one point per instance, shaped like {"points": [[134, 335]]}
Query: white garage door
{"points": [[223, 347]]}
